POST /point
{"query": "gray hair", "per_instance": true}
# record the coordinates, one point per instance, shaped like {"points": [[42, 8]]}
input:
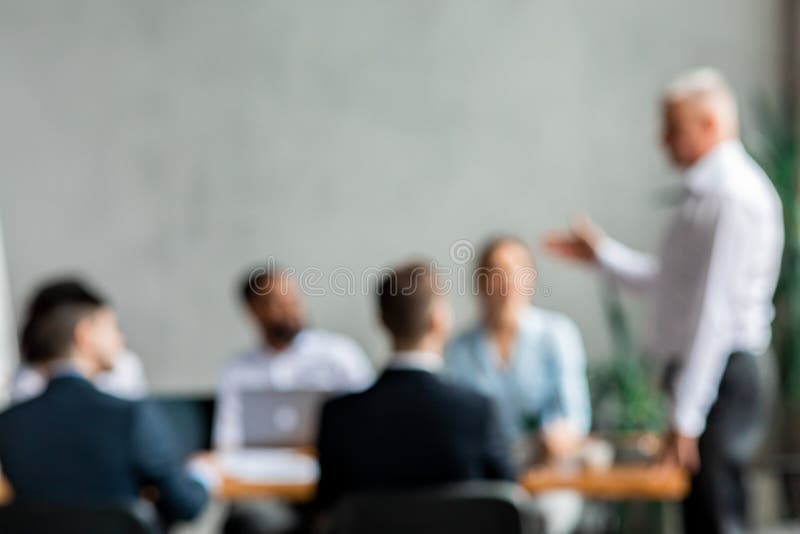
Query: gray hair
{"points": [[708, 88]]}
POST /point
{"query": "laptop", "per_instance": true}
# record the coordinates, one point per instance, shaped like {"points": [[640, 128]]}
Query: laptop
{"points": [[282, 418]]}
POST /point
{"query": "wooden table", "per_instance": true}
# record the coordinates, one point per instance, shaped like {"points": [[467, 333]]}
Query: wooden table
{"points": [[620, 483], [6, 493], [625, 482], [235, 490]]}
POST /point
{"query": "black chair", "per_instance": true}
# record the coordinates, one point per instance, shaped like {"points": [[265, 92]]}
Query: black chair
{"points": [[466, 508], [191, 418], [26, 518]]}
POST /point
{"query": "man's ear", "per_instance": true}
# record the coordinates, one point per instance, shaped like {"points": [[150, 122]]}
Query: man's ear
{"points": [[439, 316], [83, 332], [434, 318]]}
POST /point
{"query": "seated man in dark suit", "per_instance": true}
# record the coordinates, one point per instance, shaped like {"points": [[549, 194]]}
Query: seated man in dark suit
{"points": [[75, 444], [412, 428]]}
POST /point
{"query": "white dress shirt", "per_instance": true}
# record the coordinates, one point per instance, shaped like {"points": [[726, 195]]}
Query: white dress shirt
{"points": [[126, 380], [316, 360], [416, 360], [711, 285]]}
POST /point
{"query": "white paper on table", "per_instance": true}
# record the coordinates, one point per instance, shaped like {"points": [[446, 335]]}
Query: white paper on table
{"points": [[278, 466]]}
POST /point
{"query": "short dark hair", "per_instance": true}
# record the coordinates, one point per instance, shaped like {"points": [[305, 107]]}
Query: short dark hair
{"points": [[52, 315], [60, 291], [405, 296], [257, 282]]}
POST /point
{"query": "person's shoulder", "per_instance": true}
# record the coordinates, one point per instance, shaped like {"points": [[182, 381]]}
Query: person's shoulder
{"points": [[243, 360], [462, 393], [341, 404], [109, 402], [239, 367], [538, 313], [331, 339], [749, 198], [339, 349], [461, 342], [82, 393], [744, 184], [552, 319], [545, 323]]}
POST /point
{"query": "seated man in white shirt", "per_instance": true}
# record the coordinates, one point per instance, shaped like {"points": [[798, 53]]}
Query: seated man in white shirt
{"points": [[124, 378], [288, 357]]}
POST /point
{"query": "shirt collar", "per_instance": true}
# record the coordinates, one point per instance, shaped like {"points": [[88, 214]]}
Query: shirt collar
{"points": [[529, 325], [699, 175], [414, 360], [63, 369]]}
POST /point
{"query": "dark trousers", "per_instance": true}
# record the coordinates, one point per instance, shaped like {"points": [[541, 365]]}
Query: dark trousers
{"points": [[717, 502]]}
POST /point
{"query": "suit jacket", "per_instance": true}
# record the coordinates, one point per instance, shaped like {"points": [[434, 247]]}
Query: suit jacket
{"points": [[411, 429], [74, 444]]}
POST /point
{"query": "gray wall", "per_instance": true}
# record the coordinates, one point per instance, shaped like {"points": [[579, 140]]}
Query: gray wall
{"points": [[162, 147]]}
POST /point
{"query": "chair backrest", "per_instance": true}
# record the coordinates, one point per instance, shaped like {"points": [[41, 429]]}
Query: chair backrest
{"points": [[191, 418], [27, 518], [466, 508]]}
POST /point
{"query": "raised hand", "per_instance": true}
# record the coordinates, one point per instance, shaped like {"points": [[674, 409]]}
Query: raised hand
{"points": [[578, 243]]}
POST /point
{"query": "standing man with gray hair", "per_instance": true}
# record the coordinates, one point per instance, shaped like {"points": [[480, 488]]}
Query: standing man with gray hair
{"points": [[710, 291]]}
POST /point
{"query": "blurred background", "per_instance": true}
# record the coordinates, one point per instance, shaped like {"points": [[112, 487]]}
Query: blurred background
{"points": [[163, 148]]}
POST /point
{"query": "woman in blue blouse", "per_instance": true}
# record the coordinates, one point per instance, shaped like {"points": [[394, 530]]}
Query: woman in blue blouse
{"points": [[530, 360]]}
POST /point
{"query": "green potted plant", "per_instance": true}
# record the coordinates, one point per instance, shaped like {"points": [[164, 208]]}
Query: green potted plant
{"points": [[626, 397], [778, 152]]}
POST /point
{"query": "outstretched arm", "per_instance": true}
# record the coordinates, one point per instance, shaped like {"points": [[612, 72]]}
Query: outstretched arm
{"points": [[586, 243], [626, 266]]}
